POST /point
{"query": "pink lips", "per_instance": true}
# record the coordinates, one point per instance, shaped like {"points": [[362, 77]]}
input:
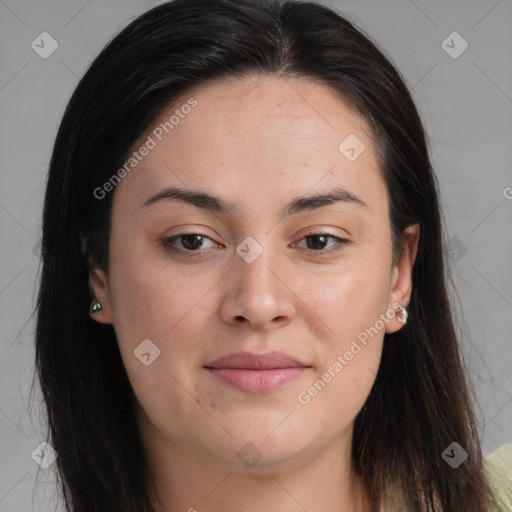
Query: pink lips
{"points": [[257, 373]]}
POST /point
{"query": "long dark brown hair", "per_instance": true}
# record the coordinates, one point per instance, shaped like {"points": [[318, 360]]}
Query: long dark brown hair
{"points": [[420, 402]]}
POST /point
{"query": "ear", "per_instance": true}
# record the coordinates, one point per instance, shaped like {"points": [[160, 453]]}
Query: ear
{"points": [[401, 280], [99, 289]]}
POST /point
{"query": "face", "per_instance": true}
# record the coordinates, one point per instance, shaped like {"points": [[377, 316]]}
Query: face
{"points": [[300, 291]]}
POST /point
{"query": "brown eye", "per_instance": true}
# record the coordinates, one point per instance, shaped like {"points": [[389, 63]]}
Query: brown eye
{"points": [[191, 242], [188, 243], [316, 242]]}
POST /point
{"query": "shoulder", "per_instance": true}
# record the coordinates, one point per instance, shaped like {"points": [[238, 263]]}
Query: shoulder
{"points": [[498, 470]]}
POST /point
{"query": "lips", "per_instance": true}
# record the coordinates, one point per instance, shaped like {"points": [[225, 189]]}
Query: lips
{"points": [[251, 361], [257, 373]]}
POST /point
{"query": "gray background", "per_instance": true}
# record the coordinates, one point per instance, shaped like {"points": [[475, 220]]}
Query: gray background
{"points": [[466, 104]]}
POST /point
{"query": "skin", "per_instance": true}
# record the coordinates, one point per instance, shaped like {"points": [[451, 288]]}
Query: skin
{"points": [[257, 142]]}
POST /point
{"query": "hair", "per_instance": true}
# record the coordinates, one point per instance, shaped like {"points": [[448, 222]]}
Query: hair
{"points": [[421, 401]]}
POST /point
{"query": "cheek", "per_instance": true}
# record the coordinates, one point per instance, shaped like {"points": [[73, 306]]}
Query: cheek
{"points": [[347, 300], [149, 297], [334, 399], [349, 306], [352, 342], [154, 301]]}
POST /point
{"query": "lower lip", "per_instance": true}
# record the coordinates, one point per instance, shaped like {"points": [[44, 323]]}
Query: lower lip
{"points": [[258, 381]]}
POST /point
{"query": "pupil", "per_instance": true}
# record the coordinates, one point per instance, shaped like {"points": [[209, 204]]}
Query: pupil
{"points": [[187, 237], [323, 237]]}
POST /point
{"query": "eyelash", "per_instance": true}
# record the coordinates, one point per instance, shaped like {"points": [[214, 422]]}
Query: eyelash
{"points": [[341, 242]]}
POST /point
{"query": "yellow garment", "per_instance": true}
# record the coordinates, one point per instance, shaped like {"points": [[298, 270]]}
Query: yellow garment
{"points": [[498, 471]]}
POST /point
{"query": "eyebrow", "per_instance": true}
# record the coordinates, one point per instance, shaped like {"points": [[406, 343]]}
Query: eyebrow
{"points": [[217, 205]]}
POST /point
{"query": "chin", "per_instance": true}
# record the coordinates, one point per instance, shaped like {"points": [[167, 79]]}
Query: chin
{"points": [[252, 451]]}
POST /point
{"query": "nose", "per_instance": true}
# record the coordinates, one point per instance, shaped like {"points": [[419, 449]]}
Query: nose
{"points": [[258, 293]]}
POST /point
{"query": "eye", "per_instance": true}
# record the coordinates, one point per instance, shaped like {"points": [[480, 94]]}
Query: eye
{"points": [[316, 242], [190, 241]]}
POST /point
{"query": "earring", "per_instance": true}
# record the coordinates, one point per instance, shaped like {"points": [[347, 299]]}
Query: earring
{"points": [[403, 314], [95, 307]]}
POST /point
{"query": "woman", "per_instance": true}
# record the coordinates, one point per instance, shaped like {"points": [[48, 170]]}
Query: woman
{"points": [[243, 302]]}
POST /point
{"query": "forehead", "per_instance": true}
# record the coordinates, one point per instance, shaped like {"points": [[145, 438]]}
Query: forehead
{"points": [[257, 134]]}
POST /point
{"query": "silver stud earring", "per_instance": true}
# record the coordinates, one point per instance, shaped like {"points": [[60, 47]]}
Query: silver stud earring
{"points": [[402, 314], [95, 307]]}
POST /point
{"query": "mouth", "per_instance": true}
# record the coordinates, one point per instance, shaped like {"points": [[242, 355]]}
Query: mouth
{"points": [[257, 373]]}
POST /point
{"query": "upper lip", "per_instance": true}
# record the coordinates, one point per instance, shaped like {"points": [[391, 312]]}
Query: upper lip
{"points": [[254, 361]]}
